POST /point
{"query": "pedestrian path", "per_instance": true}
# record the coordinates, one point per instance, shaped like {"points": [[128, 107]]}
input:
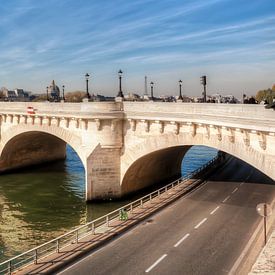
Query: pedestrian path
{"points": [[265, 263]]}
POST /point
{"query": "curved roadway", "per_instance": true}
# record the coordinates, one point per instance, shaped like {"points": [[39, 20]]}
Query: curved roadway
{"points": [[203, 233]]}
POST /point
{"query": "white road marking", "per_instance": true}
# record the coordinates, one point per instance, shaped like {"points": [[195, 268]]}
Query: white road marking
{"points": [[214, 210], [242, 183], [181, 240], [200, 223], [155, 263], [226, 199], [235, 190]]}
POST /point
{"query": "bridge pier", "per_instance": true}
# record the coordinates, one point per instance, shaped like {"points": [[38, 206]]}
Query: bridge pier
{"points": [[103, 174]]}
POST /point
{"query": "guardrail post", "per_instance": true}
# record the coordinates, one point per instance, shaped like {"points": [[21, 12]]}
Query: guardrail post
{"points": [[76, 236], [57, 245], [107, 221], [141, 203], [158, 193], [131, 208], [35, 256], [165, 188], [9, 268], [150, 197], [93, 228]]}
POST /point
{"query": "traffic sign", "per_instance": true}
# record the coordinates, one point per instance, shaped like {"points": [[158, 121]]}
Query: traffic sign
{"points": [[264, 209]]}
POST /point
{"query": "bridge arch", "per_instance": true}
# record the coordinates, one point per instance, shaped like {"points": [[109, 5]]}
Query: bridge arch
{"points": [[158, 154], [22, 146]]}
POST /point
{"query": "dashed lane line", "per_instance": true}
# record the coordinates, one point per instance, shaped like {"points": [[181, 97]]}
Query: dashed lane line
{"points": [[181, 240], [213, 211], [235, 190], [155, 263], [226, 199], [200, 223]]}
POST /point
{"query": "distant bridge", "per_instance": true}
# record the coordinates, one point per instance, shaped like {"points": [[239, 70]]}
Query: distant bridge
{"points": [[130, 145]]}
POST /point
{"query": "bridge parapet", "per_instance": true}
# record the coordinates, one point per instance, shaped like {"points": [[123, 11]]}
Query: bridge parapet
{"points": [[247, 116]]}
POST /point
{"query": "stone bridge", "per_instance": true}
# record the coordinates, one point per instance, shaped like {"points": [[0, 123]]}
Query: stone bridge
{"points": [[126, 146]]}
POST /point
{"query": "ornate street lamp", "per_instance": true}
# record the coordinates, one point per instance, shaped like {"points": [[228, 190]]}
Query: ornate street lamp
{"points": [[180, 95], [203, 82], [152, 90], [63, 89], [87, 85], [47, 91], [120, 93]]}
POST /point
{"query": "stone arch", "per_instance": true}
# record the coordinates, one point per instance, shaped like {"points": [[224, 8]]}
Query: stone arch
{"points": [[136, 157], [36, 139]]}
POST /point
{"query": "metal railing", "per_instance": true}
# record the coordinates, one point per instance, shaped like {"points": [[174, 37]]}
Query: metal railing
{"points": [[96, 226]]}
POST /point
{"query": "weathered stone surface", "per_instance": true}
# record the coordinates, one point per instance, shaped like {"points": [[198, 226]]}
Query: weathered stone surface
{"points": [[125, 146]]}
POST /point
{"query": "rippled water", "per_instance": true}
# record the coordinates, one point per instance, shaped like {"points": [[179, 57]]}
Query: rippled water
{"points": [[43, 202]]}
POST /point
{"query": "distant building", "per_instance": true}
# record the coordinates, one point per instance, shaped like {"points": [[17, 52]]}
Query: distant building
{"points": [[132, 97], [21, 95], [54, 92], [14, 95]]}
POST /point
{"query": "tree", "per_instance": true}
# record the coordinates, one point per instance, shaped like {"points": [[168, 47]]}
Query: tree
{"points": [[42, 97], [76, 96], [266, 95]]}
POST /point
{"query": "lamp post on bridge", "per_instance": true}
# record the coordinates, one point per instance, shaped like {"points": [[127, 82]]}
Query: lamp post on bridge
{"points": [[180, 98], [47, 91], [203, 82], [87, 85], [63, 89], [152, 90], [120, 95]]}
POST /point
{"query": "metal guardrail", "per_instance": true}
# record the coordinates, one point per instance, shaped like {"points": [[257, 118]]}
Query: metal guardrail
{"points": [[33, 255]]}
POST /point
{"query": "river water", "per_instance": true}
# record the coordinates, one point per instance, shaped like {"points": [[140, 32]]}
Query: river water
{"points": [[41, 203]]}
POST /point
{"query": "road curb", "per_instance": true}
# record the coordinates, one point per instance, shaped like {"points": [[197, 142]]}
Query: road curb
{"points": [[253, 248]]}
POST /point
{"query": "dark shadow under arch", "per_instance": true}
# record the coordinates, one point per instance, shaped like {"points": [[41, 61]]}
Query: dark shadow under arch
{"points": [[31, 148], [160, 166]]}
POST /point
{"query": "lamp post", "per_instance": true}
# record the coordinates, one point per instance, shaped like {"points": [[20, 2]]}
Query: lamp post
{"points": [[203, 82], [47, 91], [152, 90], [63, 89], [180, 98], [87, 85], [120, 93]]}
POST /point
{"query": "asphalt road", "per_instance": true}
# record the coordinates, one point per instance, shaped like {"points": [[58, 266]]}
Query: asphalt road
{"points": [[203, 233]]}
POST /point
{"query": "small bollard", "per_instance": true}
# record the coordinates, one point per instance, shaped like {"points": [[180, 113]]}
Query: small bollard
{"points": [[35, 256], [76, 236], [57, 245]]}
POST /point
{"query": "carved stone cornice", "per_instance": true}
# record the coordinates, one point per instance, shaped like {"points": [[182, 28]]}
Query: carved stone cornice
{"points": [[192, 128], [231, 135], [133, 124], [246, 137], [160, 126], [262, 140], [98, 123], [176, 129]]}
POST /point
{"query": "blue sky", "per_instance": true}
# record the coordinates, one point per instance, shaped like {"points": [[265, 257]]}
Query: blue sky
{"points": [[230, 41]]}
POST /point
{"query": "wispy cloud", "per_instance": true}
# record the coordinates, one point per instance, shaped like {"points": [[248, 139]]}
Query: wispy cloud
{"points": [[47, 38]]}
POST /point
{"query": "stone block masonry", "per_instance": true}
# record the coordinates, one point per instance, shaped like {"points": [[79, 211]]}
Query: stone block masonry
{"points": [[126, 146]]}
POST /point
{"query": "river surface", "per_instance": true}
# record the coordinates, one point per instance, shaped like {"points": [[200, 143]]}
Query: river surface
{"points": [[41, 203]]}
